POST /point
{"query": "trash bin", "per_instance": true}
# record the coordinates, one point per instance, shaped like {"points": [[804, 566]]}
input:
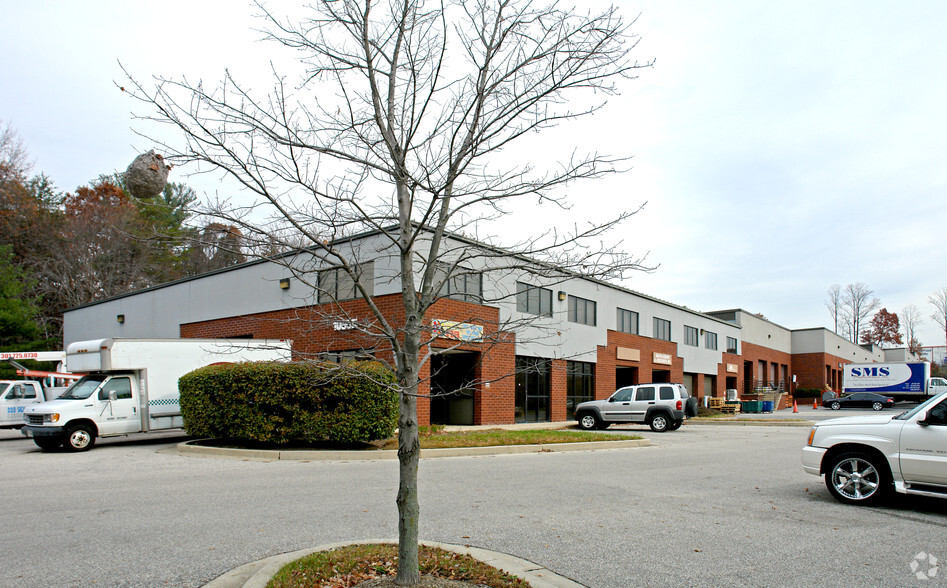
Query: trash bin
{"points": [[752, 406], [767, 406]]}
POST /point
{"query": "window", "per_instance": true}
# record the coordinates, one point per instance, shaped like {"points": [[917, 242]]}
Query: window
{"points": [[336, 284], [533, 299], [645, 393], [581, 311], [667, 393], [121, 386], [710, 340], [662, 329], [623, 395], [580, 384], [627, 321], [463, 284], [731, 345], [346, 356], [690, 336]]}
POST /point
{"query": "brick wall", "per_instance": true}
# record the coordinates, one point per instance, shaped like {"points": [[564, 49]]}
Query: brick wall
{"points": [[607, 361], [318, 329]]}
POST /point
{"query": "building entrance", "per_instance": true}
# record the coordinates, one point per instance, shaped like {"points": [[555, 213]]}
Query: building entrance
{"points": [[625, 376], [452, 388], [533, 384]]}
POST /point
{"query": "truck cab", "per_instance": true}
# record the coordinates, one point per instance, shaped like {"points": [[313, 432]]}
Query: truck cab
{"points": [[98, 405], [15, 396]]}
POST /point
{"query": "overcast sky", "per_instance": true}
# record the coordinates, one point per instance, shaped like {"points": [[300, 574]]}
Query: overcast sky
{"points": [[780, 147]]}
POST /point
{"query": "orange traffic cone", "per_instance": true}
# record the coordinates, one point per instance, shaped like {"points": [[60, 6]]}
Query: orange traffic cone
{"points": [[815, 404], [794, 407]]}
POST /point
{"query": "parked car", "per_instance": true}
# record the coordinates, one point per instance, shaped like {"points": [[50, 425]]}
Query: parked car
{"points": [[662, 406], [865, 457], [861, 400]]}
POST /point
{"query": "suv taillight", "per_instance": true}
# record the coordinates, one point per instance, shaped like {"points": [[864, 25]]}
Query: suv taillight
{"points": [[680, 405]]}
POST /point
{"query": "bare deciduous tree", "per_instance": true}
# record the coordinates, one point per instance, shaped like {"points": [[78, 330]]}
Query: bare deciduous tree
{"points": [[857, 304], [939, 300], [911, 320], [403, 125], [834, 303]]}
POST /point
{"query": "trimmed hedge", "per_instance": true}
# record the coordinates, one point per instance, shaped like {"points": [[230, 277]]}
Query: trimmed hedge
{"points": [[283, 403], [808, 393]]}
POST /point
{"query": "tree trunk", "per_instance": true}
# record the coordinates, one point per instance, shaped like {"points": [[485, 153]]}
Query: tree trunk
{"points": [[409, 452]]}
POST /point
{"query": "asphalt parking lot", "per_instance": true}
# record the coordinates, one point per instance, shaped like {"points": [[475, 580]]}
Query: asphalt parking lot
{"points": [[704, 506]]}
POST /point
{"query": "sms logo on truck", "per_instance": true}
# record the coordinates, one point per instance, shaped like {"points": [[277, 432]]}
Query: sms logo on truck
{"points": [[871, 372]]}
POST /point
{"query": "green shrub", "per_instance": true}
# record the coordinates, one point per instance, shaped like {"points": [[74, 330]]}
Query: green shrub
{"points": [[283, 403], [807, 393]]}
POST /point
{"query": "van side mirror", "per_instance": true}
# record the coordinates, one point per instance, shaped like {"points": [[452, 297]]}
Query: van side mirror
{"points": [[113, 395]]}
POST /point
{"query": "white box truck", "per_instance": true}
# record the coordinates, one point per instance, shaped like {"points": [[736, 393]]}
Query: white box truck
{"points": [[131, 386], [899, 380]]}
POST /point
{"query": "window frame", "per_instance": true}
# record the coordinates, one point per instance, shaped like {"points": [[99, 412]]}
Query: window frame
{"points": [[691, 336], [659, 324], [575, 303], [528, 297], [710, 340], [622, 317]]}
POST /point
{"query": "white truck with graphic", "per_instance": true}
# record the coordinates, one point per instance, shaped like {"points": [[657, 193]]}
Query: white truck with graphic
{"points": [[899, 380], [16, 395], [132, 386]]}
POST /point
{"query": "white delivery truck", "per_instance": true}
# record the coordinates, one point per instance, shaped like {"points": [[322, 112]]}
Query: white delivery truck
{"points": [[16, 395], [132, 386], [899, 380]]}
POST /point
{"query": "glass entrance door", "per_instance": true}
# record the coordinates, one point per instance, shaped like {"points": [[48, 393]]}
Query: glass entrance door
{"points": [[532, 389]]}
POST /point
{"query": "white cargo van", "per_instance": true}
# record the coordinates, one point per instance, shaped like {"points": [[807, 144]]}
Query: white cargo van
{"points": [[132, 386]]}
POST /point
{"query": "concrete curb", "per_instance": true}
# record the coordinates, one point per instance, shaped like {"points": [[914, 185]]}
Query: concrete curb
{"points": [[190, 450], [257, 574], [753, 423]]}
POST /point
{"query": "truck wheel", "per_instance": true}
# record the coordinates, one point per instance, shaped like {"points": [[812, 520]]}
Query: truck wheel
{"points": [[835, 405], [659, 423], [858, 478], [80, 438], [877, 406], [47, 443], [588, 422]]}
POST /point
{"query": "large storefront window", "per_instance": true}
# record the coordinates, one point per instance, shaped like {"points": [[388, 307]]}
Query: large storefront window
{"points": [[580, 385], [533, 382]]}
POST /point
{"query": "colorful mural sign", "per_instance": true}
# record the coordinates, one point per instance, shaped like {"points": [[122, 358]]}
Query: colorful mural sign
{"points": [[457, 331]]}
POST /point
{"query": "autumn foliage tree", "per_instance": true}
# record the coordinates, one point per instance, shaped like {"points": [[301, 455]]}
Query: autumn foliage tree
{"points": [[884, 330]]}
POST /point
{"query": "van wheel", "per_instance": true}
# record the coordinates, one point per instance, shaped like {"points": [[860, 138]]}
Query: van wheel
{"points": [[47, 443], [659, 423], [588, 422], [80, 438]]}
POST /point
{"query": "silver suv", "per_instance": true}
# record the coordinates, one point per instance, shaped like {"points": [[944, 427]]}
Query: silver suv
{"points": [[662, 406]]}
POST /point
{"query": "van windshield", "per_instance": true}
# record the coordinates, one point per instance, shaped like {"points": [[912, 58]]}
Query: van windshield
{"points": [[83, 388]]}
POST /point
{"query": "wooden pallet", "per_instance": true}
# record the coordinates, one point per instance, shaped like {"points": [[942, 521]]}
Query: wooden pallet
{"points": [[714, 402], [729, 408]]}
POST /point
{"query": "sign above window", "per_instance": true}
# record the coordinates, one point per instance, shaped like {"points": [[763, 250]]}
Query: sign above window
{"points": [[457, 331]]}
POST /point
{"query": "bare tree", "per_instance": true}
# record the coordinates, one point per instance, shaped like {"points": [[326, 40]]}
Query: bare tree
{"points": [[911, 320], [857, 304], [834, 303], [939, 300], [403, 125]]}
